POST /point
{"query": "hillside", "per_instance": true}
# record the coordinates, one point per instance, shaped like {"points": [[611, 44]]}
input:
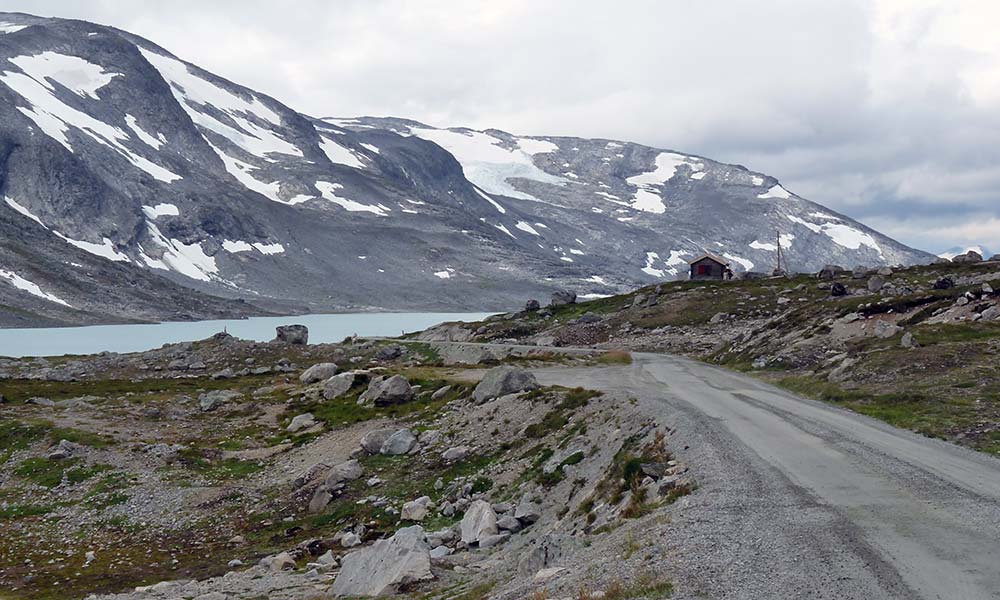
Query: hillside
{"points": [[112, 146], [915, 347]]}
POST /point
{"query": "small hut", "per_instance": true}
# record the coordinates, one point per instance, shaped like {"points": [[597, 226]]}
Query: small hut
{"points": [[708, 266]]}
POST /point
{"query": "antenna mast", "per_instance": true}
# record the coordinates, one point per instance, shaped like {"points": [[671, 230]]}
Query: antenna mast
{"points": [[777, 239]]}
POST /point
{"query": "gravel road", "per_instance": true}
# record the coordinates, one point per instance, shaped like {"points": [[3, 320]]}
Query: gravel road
{"points": [[800, 499]]}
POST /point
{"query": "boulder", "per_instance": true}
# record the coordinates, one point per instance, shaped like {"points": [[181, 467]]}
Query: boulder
{"points": [[455, 454], [489, 541], [303, 421], [478, 522], [465, 354], [838, 289], [945, 283], [501, 381], [390, 352], [875, 284], [509, 523], [318, 372], [907, 340], [885, 329], [350, 540], [65, 449], [400, 442], [385, 391], [373, 440], [969, 257], [830, 272], [991, 314], [385, 566], [527, 512], [416, 510], [562, 297], [345, 471], [278, 562], [216, 398], [885, 271], [226, 373], [995, 258], [292, 334], [338, 385], [441, 392], [532, 305]]}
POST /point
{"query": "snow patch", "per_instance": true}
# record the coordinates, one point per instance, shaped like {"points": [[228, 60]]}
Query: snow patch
{"points": [[526, 227], [269, 249], [505, 230], [445, 274], [496, 205], [233, 247], [75, 74], [755, 180], [148, 139], [161, 210], [649, 269], [23, 284], [842, 235], [372, 148], [746, 264], [489, 165], [339, 154], [242, 172], [106, 249], [776, 192], [187, 259], [533, 147], [329, 192], [646, 198], [194, 94], [24, 211], [596, 279], [6, 27]]}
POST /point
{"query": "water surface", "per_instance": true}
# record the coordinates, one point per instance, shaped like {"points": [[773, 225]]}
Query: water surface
{"points": [[56, 341]]}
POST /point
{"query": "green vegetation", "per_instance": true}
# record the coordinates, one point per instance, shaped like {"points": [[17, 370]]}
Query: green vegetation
{"points": [[50, 473], [646, 585]]}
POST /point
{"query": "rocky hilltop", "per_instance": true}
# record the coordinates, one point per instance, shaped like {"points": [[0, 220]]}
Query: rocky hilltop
{"points": [[121, 162]]}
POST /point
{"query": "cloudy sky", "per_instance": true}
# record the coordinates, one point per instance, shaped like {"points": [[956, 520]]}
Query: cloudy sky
{"points": [[886, 110]]}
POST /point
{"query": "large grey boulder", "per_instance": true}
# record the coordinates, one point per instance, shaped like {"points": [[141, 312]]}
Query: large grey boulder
{"points": [[338, 385], [416, 510], [373, 440], [561, 297], [318, 372], [303, 421], [885, 329], [292, 334], [345, 471], [385, 391], [479, 522], [400, 442], [501, 381], [216, 398], [465, 354], [385, 566]]}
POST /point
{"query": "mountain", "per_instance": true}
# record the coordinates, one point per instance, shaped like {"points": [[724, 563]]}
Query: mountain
{"points": [[113, 147]]}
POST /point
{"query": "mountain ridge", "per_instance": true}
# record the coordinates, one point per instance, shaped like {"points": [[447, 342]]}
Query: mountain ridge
{"points": [[115, 146]]}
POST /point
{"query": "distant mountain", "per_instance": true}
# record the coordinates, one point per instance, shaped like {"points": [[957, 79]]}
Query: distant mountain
{"points": [[951, 253], [113, 147]]}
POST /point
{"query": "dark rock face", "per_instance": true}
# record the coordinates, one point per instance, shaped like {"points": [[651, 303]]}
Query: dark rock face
{"points": [[292, 334], [945, 283], [532, 305], [162, 178], [838, 289]]}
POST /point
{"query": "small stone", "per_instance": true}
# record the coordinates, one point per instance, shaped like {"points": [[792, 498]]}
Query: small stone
{"points": [[303, 421]]}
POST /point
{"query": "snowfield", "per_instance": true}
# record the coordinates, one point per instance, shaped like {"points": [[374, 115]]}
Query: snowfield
{"points": [[23, 284], [489, 165]]}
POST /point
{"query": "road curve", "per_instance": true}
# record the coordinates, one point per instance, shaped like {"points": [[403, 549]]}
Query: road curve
{"points": [[802, 499]]}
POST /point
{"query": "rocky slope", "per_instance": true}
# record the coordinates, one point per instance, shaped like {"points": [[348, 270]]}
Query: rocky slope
{"points": [[227, 469], [113, 146]]}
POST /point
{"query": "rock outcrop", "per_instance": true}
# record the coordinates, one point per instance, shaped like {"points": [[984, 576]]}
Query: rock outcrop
{"points": [[385, 566]]}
